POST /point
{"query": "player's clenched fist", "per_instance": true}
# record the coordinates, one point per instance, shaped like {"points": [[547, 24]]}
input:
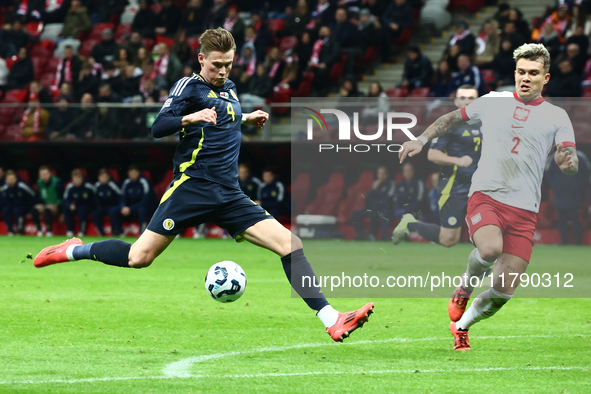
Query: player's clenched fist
{"points": [[207, 115], [410, 148], [256, 118]]}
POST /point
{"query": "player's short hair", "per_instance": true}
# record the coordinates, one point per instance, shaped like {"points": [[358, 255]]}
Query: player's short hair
{"points": [[103, 171], [10, 172], [465, 87], [536, 52], [76, 172], [44, 167], [133, 167], [220, 40]]}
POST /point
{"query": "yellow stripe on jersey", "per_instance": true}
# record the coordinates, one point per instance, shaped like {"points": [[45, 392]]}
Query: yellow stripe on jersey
{"points": [[176, 184], [447, 189], [233, 94], [198, 76], [189, 163], [212, 94]]}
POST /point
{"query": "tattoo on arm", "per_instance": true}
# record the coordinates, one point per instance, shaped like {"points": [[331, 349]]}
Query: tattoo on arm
{"points": [[444, 124]]}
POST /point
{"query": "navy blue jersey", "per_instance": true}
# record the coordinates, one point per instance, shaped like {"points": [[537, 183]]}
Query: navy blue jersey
{"points": [[272, 198], [458, 142], [78, 195], [20, 195], [206, 150], [409, 196], [381, 199], [108, 195], [251, 187], [136, 193]]}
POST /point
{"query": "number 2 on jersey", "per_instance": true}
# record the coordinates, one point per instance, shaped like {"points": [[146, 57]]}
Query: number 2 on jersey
{"points": [[231, 111], [517, 141]]}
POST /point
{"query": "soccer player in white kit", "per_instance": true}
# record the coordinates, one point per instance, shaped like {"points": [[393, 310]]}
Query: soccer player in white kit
{"points": [[519, 132]]}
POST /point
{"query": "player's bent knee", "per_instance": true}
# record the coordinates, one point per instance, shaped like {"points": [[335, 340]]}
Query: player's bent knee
{"points": [[490, 252], [140, 260], [296, 243], [448, 242]]}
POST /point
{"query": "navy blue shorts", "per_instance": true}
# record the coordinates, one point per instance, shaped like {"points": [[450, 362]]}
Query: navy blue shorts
{"points": [[188, 202], [453, 211]]}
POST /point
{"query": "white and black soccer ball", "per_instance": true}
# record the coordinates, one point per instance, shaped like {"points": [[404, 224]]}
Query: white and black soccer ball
{"points": [[225, 281]]}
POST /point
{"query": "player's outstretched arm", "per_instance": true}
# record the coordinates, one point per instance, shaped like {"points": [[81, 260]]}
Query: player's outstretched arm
{"points": [[167, 124], [437, 129], [438, 157], [567, 159], [256, 118]]}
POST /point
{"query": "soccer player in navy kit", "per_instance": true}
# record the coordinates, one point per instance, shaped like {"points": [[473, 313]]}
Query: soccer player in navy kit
{"points": [[206, 111], [458, 152], [106, 197], [78, 200]]}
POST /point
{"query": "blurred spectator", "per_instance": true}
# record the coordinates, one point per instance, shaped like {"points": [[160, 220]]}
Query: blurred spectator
{"points": [[111, 76], [366, 34], [566, 83], [376, 7], [249, 184], [272, 195], [151, 73], [44, 96], [106, 94], [464, 39], [106, 50], [168, 19], [550, 39], [181, 47], [487, 44], [510, 32], [248, 58], [324, 11], [148, 89], [106, 197], [50, 190], [194, 18], [142, 58], [84, 124], [167, 64], [296, 22], [351, 85], [587, 74], [451, 55], [68, 68], [559, 18], [504, 65], [434, 197], [397, 16], [274, 64], [77, 20], [466, 75], [569, 194], [378, 208], [12, 38], [102, 11], [325, 52], [370, 112], [17, 199], [516, 16], [3, 73], [133, 45], [579, 18], [502, 14], [137, 200], [257, 40], [441, 79], [410, 192], [578, 59], [303, 50], [21, 72], [144, 21], [65, 90], [122, 59], [34, 120], [130, 86], [260, 88], [87, 82], [234, 24], [218, 14], [78, 200], [342, 29], [133, 124], [580, 39], [418, 72], [60, 116]]}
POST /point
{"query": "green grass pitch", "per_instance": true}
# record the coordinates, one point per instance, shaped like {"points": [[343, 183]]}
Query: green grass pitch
{"points": [[85, 327]]}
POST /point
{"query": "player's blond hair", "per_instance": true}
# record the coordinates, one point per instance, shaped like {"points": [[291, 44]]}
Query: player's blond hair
{"points": [[220, 40], [536, 52]]}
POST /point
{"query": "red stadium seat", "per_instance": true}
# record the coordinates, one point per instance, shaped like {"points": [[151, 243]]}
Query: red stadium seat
{"points": [[328, 196], [397, 92], [122, 30], [40, 52], [39, 64], [337, 71], [86, 48], [168, 41], [193, 42], [404, 37], [147, 175], [276, 25], [587, 91], [371, 54], [97, 30], [420, 92], [355, 199], [160, 187], [156, 8], [287, 43], [114, 174], [12, 132], [35, 28], [52, 65], [299, 192], [23, 175], [16, 95], [46, 80], [471, 5], [148, 43]]}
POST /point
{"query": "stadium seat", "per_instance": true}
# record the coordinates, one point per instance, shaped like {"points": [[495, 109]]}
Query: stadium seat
{"points": [[156, 8], [337, 71], [148, 43], [115, 175], [587, 91], [35, 28], [193, 42], [12, 132], [97, 30], [371, 54], [420, 92], [276, 25], [404, 37], [15, 95], [86, 48], [300, 189], [160, 187], [168, 41], [39, 64], [147, 174], [122, 30], [23, 175], [39, 51], [288, 43], [52, 31], [52, 65], [355, 199], [397, 92], [471, 5], [46, 80], [327, 196]]}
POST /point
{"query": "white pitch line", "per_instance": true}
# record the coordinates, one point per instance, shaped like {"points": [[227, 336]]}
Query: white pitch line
{"points": [[180, 369]]}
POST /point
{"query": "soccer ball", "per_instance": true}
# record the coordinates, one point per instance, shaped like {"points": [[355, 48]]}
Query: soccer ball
{"points": [[225, 281]]}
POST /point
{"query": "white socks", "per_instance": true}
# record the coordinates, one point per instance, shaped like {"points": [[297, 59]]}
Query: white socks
{"points": [[69, 252], [484, 306], [328, 315], [476, 267]]}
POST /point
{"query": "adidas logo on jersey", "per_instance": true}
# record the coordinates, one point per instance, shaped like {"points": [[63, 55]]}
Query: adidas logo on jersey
{"points": [[212, 94]]}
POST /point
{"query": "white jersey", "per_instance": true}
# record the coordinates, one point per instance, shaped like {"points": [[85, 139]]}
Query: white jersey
{"points": [[516, 141]]}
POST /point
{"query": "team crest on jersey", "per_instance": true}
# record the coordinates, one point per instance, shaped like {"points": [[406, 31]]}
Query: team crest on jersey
{"points": [[452, 221], [521, 114], [225, 95], [168, 224], [476, 218], [167, 103]]}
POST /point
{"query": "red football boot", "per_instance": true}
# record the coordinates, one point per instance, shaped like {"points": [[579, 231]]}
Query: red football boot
{"points": [[457, 303], [460, 337], [55, 254], [349, 321]]}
